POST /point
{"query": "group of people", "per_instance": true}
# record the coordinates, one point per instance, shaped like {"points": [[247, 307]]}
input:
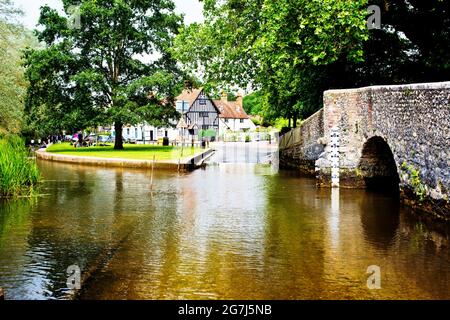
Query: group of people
{"points": [[51, 139]]}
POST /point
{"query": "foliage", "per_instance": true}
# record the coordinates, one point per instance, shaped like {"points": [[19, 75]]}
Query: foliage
{"points": [[210, 133], [114, 68], [280, 47], [253, 103], [18, 173], [414, 178], [412, 46], [13, 39], [293, 50]]}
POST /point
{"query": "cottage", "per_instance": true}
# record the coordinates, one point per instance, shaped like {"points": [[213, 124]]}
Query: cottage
{"points": [[233, 116], [198, 111], [202, 113]]}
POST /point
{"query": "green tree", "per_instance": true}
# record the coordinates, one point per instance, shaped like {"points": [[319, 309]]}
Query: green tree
{"points": [[293, 50], [282, 48], [412, 46], [253, 104], [114, 67], [13, 39]]}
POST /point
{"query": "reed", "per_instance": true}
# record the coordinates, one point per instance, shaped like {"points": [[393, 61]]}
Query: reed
{"points": [[19, 174]]}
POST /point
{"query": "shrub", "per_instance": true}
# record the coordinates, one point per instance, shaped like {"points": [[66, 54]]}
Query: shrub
{"points": [[210, 133], [18, 173]]}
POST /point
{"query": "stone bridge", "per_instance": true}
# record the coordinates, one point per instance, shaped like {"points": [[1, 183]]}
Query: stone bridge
{"points": [[394, 138]]}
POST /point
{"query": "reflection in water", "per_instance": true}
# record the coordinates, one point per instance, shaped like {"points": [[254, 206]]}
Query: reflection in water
{"points": [[334, 217], [380, 219], [230, 231]]}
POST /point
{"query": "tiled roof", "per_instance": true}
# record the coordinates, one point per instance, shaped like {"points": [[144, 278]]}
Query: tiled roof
{"points": [[230, 110], [189, 96]]}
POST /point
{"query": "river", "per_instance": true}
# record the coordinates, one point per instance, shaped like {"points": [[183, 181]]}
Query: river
{"points": [[229, 231]]}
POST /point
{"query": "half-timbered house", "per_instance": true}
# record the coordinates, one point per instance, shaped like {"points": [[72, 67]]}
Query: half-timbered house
{"points": [[199, 112]]}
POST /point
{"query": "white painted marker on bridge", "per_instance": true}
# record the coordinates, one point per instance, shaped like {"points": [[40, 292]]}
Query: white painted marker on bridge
{"points": [[334, 157]]}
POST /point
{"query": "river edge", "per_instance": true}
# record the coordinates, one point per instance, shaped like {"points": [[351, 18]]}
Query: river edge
{"points": [[184, 165]]}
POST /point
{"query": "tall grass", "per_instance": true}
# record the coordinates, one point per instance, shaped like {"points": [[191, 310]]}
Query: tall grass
{"points": [[19, 174]]}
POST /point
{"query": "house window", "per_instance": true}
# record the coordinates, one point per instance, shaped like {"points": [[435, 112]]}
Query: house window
{"points": [[180, 106], [128, 131], [136, 133], [202, 102], [205, 127], [185, 106], [242, 120], [204, 115]]}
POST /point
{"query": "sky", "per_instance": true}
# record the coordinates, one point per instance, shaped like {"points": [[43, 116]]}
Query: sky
{"points": [[192, 10]]}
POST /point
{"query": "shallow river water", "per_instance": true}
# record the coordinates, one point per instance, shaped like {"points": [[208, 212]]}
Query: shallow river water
{"points": [[230, 231]]}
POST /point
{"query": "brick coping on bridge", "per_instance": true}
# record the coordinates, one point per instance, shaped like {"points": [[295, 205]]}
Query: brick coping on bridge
{"points": [[413, 86], [186, 164]]}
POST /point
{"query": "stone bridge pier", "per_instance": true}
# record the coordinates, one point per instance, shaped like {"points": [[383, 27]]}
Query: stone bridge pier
{"points": [[392, 138]]}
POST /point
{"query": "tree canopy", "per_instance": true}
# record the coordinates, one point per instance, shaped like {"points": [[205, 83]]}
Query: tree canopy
{"points": [[293, 50], [114, 67], [276, 46], [13, 39]]}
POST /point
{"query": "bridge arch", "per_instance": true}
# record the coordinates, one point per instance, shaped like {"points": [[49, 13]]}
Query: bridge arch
{"points": [[377, 166]]}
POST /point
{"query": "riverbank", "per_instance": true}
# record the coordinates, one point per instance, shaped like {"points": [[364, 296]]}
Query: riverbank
{"points": [[19, 174], [125, 160]]}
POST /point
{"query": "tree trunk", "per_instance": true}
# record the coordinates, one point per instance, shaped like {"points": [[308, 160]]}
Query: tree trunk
{"points": [[289, 124], [295, 120], [118, 145]]}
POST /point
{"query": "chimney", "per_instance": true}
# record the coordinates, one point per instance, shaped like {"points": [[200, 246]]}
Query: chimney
{"points": [[224, 97], [240, 100]]}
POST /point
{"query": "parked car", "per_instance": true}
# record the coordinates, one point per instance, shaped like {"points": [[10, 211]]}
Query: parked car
{"points": [[105, 139]]}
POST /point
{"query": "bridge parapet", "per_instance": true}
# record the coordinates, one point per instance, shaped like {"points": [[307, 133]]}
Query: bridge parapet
{"points": [[301, 147]]}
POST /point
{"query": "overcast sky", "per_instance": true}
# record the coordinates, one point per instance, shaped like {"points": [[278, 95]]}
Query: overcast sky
{"points": [[192, 10]]}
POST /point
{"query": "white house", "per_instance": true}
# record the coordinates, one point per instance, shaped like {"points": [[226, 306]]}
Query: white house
{"points": [[233, 116], [146, 133], [200, 112]]}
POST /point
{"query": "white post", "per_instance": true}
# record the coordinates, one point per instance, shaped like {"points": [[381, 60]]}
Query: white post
{"points": [[334, 157]]}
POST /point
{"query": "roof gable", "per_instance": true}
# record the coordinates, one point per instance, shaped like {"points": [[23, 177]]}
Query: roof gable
{"points": [[230, 110], [191, 95]]}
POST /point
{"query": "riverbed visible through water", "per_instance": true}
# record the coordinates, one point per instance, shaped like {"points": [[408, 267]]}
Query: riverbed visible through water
{"points": [[230, 231]]}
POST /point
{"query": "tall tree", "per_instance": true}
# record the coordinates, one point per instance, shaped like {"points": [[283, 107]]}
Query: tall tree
{"points": [[413, 44], [293, 50], [13, 39], [111, 66], [279, 47]]}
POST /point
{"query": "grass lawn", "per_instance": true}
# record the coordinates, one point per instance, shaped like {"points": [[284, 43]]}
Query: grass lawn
{"points": [[132, 151]]}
